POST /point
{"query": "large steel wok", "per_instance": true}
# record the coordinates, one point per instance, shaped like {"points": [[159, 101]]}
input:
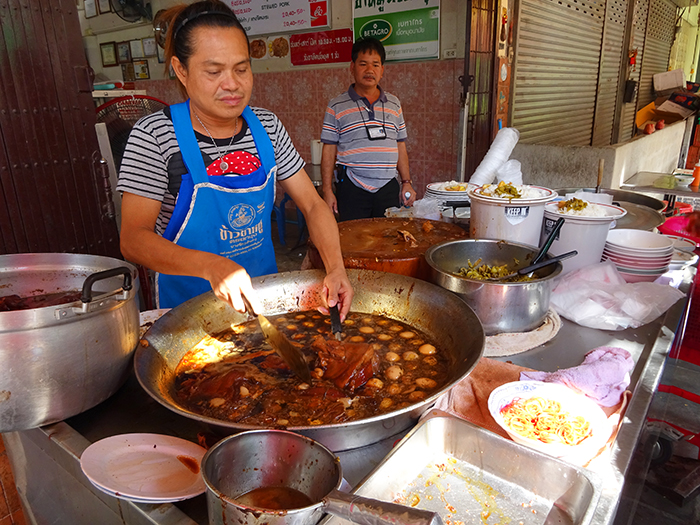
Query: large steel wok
{"points": [[434, 310]]}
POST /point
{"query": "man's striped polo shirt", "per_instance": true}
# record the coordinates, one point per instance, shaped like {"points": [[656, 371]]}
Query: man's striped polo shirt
{"points": [[370, 163]]}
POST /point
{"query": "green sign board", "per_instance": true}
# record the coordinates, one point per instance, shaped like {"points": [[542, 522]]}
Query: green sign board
{"points": [[409, 30]]}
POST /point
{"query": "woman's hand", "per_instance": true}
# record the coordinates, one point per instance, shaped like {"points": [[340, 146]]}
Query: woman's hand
{"points": [[229, 280], [337, 291]]}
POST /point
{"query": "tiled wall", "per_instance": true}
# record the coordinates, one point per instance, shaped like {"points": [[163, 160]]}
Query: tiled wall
{"points": [[429, 93], [10, 507]]}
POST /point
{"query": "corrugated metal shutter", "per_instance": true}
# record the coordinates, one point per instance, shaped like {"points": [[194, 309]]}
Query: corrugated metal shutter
{"points": [[611, 61], [555, 74], [657, 47], [629, 110]]}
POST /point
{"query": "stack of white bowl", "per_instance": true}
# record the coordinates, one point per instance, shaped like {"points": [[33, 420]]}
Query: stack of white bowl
{"points": [[638, 255]]}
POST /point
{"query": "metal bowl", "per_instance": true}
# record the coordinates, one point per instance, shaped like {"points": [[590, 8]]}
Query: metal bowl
{"points": [[444, 318], [501, 307]]}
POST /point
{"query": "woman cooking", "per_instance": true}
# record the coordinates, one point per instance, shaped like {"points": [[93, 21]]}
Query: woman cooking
{"points": [[198, 178]]}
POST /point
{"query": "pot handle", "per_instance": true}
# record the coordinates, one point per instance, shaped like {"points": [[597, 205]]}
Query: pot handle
{"points": [[368, 511], [91, 279]]}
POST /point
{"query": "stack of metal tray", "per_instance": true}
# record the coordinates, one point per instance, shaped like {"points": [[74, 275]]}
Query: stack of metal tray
{"points": [[470, 475]]}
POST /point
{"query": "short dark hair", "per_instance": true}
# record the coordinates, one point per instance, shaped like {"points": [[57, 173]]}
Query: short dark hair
{"points": [[367, 45]]}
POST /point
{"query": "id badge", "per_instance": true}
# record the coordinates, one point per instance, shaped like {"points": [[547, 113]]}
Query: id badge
{"points": [[375, 132]]}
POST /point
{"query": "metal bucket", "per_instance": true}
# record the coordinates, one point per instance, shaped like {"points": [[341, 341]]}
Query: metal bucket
{"points": [[501, 307], [58, 361], [287, 469]]}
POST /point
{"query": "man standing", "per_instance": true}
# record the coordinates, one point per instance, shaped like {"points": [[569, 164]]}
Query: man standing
{"points": [[365, 129]]}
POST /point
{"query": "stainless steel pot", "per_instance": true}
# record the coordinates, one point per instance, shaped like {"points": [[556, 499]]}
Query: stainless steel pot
{"points": [[501, 307], [58, 361], [441, 315], [287, 466]]}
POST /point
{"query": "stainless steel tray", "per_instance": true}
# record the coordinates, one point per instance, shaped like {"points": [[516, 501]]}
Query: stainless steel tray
{"points": [[470, 475]]}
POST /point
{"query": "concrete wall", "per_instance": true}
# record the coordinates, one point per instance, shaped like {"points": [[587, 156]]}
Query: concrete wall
{"points": [[577, 166]]}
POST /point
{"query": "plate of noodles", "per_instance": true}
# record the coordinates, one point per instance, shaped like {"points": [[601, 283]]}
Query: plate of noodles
{"points": [[551, 418]]}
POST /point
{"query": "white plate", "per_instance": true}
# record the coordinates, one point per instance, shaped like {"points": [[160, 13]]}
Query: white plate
{"points": [[682, 244], [572, 402], [147, 468]]}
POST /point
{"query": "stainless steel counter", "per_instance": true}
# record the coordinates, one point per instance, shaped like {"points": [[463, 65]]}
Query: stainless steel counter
{"points": [[54, 490]]}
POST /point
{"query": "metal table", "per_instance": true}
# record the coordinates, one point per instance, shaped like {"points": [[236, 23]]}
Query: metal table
{"points": [[54, 490]]}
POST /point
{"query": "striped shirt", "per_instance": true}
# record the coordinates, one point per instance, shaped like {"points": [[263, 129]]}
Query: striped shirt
{"points": [[152, 165], [370, 163]]}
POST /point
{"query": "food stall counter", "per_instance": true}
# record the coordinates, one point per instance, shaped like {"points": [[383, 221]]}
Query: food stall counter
{"points": [[53, 488]]}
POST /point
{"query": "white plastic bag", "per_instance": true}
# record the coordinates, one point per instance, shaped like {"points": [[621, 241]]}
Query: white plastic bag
{"points": [[421, 209], [511, 172], [499, 152], [598, 297]]}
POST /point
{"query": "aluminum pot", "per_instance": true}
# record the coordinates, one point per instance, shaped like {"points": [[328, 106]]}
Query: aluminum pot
{"points": [[501, 307], [440, 314], [275, 477], [58, 361]]}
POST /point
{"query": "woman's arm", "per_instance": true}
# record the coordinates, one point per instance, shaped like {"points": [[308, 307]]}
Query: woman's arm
{"points": [[323, 231], [142, 245]]}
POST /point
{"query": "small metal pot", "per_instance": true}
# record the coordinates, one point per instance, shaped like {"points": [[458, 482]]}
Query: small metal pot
{"points": [[501, 307], [279, 460], [58, 361]]}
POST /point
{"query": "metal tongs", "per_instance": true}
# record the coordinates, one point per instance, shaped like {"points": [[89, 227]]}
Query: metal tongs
{"points": [[336, 327], [286, 350]]}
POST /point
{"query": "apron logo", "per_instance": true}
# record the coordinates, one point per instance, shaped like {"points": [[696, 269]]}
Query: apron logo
{"points": [[240, 216]]}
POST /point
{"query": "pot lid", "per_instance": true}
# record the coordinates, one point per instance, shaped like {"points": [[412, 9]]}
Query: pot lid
{"points": [[639, 217]]}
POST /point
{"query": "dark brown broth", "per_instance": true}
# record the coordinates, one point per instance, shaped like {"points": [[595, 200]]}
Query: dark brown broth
{"points": [[236, 376], [275, 498]]}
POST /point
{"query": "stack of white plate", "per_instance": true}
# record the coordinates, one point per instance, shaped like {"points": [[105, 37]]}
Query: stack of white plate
{"points": [[439, 191], [639, 255]]}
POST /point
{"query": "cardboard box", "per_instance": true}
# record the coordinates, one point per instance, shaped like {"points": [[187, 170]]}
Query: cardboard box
{"points": [[650, 114], [668, 82]]}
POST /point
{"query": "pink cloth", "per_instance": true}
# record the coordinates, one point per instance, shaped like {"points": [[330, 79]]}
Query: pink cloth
{"points": [[603, 376]]}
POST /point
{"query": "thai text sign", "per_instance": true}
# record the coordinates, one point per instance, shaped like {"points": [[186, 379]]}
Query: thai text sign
{"points": [[324, 47], [409, 29], [262, 17]]}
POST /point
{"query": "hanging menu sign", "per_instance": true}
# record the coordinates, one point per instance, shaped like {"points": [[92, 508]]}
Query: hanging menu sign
{"points": [[263, 17]]}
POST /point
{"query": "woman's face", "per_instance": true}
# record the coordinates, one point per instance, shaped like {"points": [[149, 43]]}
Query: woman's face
{"points": [[218, 77]]}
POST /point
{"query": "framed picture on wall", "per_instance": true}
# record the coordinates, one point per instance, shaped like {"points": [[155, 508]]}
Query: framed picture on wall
{"points": [[128, 72], [123, 52], [108, 50], [90, 8], [136, 49], [141, 71], [161, 54], [149, 46], [104, 6]]}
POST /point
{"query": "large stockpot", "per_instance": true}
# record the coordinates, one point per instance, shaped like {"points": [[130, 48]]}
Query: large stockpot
{"points": [[440, 314], [58, 361], [501, 307]]}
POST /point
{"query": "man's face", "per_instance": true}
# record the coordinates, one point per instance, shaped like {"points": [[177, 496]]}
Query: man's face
{"points": [[218, 77], [367, 70]]}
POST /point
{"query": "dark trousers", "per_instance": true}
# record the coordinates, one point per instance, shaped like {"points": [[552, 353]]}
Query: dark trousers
{"points": [[356, 203]]}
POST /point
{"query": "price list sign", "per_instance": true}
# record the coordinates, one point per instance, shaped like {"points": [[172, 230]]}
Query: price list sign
{"points": [[324, 47], [262, 17]]}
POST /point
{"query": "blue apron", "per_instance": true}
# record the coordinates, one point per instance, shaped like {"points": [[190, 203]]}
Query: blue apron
{"points": [[229, 216]]}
